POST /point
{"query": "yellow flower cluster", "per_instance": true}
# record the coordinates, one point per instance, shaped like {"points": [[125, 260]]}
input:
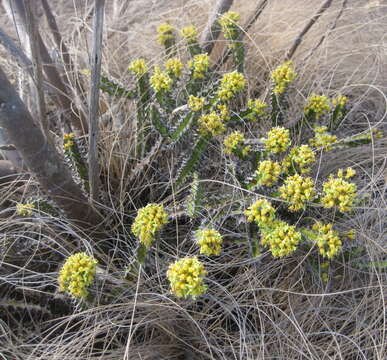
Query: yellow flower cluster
{"points": [[246, 150], [210, 241], [268, 172], [199, 65], [297, 190], [174, 67], [262, 212], [340, 193], [257, 107], [349, 172], [190, 33], [196, 103], [186, 277], [328, 240], [350, 234], [165, 34], [160, 81], [282, 76], [76, 274], [317, 105], [278, 140], [229, 24], [148, 221], [224, 112], [322, 140], [138, 67], [85, 72], [212, 124], [68, 141], [232, 141], [230, 85], [286, 164], [375, 132], [340, 100], [303, 156], [24, 209], [282, 238]]}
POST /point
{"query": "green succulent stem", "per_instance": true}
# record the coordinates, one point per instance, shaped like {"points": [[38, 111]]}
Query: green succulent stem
{"points": [[253, 240], [142, 113], [110, 87], [276, 113], [133, 271], [337, 118], [194, 48], [238, 51], [75, 157], [190, 165]]}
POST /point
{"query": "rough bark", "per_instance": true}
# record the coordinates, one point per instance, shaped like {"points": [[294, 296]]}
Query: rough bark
{"points": [[42, 158], [94, 98]]}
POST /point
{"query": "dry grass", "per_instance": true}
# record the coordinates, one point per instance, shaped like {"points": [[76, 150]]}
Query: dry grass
{"points": [[255, 308]]}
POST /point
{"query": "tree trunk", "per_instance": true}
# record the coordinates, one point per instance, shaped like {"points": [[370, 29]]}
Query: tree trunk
{"points": [[42, 158]]}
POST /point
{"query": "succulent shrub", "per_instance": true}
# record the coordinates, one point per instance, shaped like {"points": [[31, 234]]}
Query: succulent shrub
{"points": [[192, 108]]}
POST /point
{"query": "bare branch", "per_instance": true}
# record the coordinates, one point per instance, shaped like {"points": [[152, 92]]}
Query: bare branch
{"points": [[64, 96], [212, 30], [94, 97], [32, 32], [66, 58], [331, 28], [16, 51], [57, 36], [42, 158], [307, 27]]}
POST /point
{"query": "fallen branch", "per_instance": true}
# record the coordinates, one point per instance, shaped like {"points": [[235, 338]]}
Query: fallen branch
{"points": [[332, 27], [325, 6]]}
